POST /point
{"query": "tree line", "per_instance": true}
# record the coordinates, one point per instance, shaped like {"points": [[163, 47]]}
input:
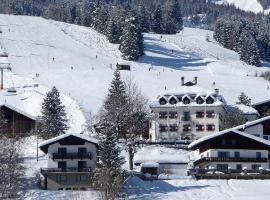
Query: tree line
{"points": [[251, 39]]}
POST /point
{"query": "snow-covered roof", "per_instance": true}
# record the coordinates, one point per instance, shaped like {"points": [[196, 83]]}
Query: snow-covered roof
{"points": [[60, 137], [261, 102], [246, 109], [27, 100], [209, 137], [150, 164], [160, 154], [188, 91]]}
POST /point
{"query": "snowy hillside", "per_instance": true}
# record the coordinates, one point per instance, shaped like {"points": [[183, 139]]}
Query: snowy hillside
{"points": [[247, 5], [79, 61]]}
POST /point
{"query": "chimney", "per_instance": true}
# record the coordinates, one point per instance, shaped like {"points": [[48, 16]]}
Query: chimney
{"points": [[182, 81], [195, 80], [217, 91]]}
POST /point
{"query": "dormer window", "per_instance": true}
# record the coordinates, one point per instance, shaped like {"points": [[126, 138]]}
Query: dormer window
{"points": [[199, 100], [162, 101], [186, 100], [173, 101], [210, 100]]}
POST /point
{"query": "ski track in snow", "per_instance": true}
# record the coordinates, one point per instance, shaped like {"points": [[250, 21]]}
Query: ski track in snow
{"points": [[33, 42]]}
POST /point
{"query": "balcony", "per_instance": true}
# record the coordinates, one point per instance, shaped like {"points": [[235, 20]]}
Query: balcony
{"points": [[224, 159], [62, 156], [61, 170]]}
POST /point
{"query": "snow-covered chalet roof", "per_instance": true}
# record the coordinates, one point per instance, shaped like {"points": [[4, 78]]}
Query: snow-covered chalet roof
{"points": [[248, 110], [27, 100], [48, 142], [218, 134], [150, 165]]}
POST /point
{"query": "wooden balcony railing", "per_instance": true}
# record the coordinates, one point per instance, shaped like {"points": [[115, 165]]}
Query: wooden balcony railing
{"points": [[224, 159], [60, 170], [62, 156]]}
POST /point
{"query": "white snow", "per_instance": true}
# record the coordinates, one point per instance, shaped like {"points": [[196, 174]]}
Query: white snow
{"points": [[247, 5], [160, 154], [33, 42], [84, 137], [233, 130], [246, 109], [150, 164]]}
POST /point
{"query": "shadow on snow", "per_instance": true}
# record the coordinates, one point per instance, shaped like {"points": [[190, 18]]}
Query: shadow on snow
{"points": [[158, 55]]}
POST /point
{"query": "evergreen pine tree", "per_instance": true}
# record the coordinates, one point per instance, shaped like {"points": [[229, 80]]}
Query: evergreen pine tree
{"points": [[248, 49], [3, 123], [108, 175], [157, 26], [113, 32], [131, 42], [172, 18], [115, 107], [244, 99], [53, 118]]}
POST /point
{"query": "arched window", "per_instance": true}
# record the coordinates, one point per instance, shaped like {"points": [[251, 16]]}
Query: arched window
{"points": [[173, 101], [210, 100], [199, 100], [162, 101], [186, 100]]}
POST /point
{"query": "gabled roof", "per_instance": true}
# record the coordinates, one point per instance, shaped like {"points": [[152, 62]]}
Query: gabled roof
{"points": [[261, 102], [44, 145], [212, 136]]}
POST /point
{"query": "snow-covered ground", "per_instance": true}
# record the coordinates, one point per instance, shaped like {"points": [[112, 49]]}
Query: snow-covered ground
{"points": [[80, 63], [199, 190], [247, 5], [33, 42]]}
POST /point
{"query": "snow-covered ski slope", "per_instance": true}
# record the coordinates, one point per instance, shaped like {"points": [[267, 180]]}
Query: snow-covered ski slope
{"points": [[80, 62], [247, 5]]}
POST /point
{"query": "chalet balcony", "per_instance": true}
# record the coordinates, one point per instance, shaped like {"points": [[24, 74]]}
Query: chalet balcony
{"points": [[224, 159], [62, 156], [65, 170]]}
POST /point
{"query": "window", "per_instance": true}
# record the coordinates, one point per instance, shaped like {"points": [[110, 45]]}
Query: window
{"points": [[162, 115], [61, 178], [233, 142], [173, 101], [265, 137], [210, 114], [186, 127], [239, 167], [163, 128], [173, 128], [200, 100], [258, 155], [186, 116], [81, 178], [210, 127], [173, 115], [68, 188], [186, 100], [62, 150], [223, 142], [62, 165], [82, 165], [82, 150], [223, 154], [255, 167], [222, 167], [162, 101], [200, 114], [209, 100], [237, 154], [60, 188], [199, 127]]}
